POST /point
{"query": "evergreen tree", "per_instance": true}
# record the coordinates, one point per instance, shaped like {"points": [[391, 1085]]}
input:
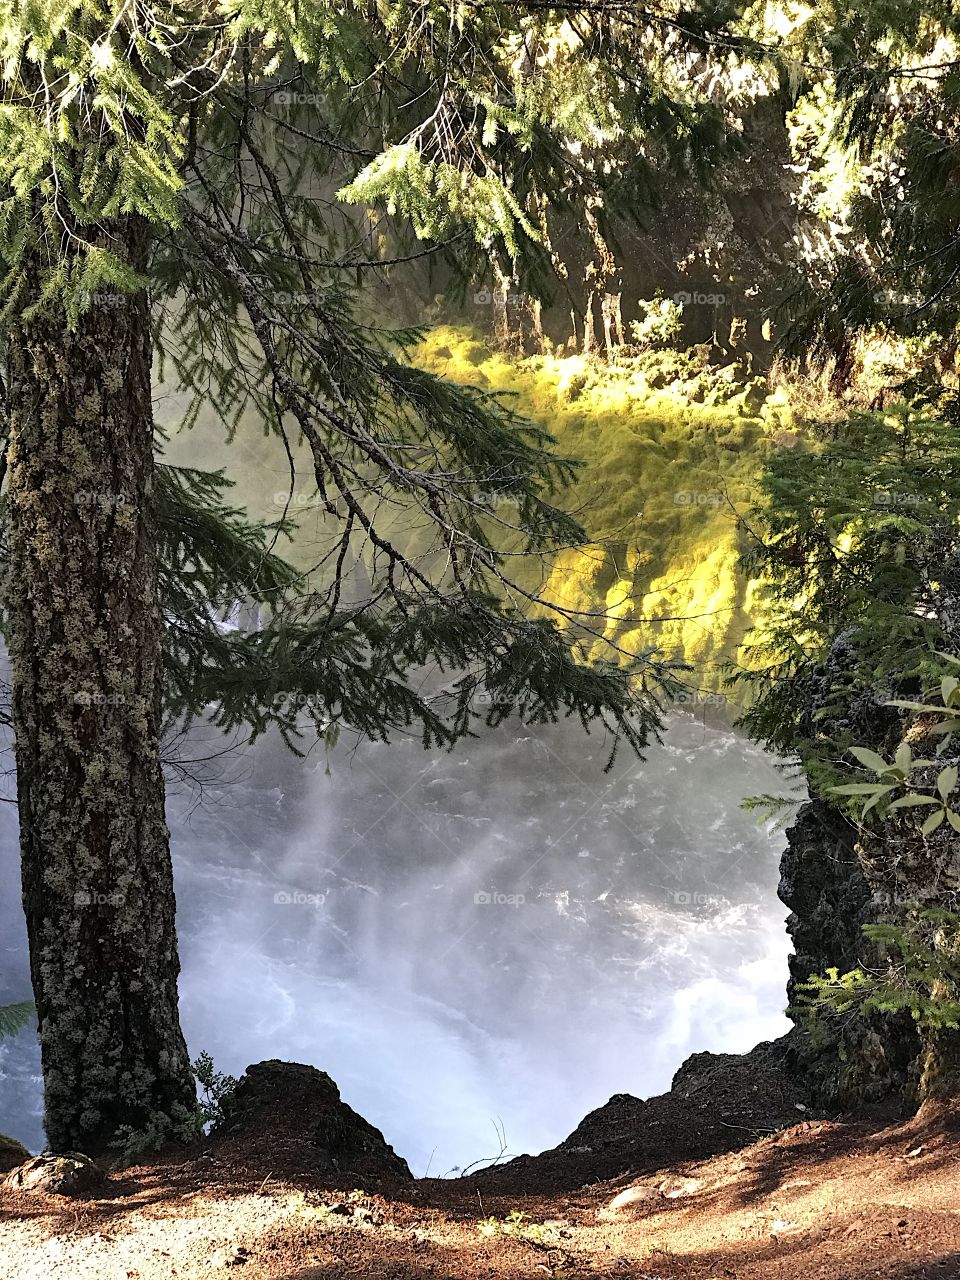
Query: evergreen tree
{"points": [[875, 89], [856, 540], [857, 534]]}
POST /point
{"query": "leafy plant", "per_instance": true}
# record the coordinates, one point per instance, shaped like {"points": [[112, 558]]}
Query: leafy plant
{"points": [[184, 1125], [661, 323], [162, 1131], [517, 1225], [908, 783], [922, 975]]}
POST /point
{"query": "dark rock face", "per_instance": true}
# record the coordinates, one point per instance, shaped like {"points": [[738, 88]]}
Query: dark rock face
{"points": [[12, 1153], [756, 1090], [285, 1114], [871, 1063], [65, 1175], [718, 1102], [829, 899]]}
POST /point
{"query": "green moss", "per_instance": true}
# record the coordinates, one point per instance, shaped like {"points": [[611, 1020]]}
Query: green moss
{"points": [[671, 446]]}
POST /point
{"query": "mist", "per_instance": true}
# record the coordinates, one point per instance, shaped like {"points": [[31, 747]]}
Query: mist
{"points": [[479, 946]]}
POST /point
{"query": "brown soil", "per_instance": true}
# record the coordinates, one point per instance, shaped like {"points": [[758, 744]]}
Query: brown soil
{"points": [[818, 1200]]}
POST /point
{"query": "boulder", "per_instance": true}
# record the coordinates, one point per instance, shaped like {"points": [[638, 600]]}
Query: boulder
{"points": [[286, 1115], [630, 1198], [70, 1174]]}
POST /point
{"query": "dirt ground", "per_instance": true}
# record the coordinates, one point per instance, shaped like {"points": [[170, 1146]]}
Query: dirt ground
{"points": [[816, 1201]]}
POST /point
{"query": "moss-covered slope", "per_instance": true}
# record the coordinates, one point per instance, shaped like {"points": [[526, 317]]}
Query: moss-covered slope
{"points": [[671, 447]]}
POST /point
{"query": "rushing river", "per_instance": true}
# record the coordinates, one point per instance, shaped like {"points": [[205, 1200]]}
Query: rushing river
{"points": [[501, 937]]}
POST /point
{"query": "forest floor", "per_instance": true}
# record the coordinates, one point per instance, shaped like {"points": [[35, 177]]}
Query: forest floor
{"points": [[818, 1200], [641, 1191]]}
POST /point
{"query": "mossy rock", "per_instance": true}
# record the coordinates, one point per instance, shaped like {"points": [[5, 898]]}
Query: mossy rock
{"points": [[12, 1153], [668, 442], [474, 353], [70, 1174]]}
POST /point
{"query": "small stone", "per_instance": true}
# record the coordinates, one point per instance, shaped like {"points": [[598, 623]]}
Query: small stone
{"points": [[781, 1226], [673, 1188], [632, 1195], [70, 1174], [229, 1257]]}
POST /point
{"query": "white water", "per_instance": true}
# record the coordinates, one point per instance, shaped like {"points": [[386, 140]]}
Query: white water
{"points": [[437, 1014]]}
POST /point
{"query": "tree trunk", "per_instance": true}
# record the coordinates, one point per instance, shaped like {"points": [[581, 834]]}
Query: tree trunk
{"points": [[503, 284], [940, 1079], [940, 1075], [589, 328], [85, 653]]}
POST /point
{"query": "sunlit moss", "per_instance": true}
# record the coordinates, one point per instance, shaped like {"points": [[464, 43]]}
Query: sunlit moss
{"points": [[671, 447]]}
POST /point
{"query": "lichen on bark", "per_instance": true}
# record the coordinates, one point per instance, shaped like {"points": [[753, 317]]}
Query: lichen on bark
{"points": [[85, 645]]}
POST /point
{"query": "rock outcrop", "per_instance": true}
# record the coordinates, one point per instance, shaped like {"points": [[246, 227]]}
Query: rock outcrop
{"points": [[718, 1103], [870, 1062], [286, 1116]]}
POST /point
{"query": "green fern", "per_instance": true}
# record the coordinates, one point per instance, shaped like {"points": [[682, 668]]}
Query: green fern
{"points": [[14, 1017]]}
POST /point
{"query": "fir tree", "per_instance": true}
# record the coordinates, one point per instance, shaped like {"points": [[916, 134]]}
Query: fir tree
{"points": [[875, 90]]}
